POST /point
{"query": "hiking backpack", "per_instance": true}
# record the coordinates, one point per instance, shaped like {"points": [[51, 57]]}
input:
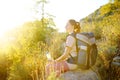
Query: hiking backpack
{"points": [[86, 49]]}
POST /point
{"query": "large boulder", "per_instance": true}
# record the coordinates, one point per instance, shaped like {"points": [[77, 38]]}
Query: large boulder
{"points": [[80, 75]]}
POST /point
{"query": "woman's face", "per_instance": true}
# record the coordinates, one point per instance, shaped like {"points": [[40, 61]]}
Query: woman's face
{"points": [[69, 28]]}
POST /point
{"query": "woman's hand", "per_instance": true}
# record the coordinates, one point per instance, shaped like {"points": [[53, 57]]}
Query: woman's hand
{"points": [[65, 55], [52, 61]]}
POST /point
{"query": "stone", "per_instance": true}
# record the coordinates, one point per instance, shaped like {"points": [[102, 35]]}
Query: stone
{"points": [[80, 75]]}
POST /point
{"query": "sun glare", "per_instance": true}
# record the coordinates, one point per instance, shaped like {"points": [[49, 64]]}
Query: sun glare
{"points": [[13, 13], [1, 33]]}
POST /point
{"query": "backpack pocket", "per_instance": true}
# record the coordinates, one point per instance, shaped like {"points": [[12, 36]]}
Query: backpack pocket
{"points": [[82, 59]]}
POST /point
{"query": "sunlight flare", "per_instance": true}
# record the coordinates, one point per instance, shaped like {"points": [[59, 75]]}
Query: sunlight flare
{"points": [[13, 14]]}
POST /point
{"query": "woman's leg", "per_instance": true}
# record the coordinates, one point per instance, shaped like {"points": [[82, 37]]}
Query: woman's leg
{"points": [[72, 66], [57, 67]]}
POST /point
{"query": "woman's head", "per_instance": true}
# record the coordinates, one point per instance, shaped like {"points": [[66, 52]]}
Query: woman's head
{"points": [[73, 26]]}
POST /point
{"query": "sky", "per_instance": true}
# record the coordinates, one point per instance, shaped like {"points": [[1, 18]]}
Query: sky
{"points": [[15, 12], [63, 10]]}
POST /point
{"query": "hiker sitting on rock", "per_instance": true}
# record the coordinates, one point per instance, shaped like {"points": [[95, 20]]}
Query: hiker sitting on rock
{"points": [[64, 63], [80, 50]]}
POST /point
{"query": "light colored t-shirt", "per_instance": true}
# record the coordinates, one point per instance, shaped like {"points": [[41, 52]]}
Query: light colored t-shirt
{"points": [[71, 42]]}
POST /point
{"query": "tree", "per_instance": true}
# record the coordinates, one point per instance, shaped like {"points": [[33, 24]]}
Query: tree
{"points": [[40, 8]]}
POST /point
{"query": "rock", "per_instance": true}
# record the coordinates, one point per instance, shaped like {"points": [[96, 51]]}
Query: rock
{"points": [[80, 75]]}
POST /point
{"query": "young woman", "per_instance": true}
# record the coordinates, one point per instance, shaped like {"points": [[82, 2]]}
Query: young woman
{"points": [[65, 61]]}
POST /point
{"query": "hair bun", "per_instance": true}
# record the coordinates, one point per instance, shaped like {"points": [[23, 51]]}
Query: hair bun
{"points": [[77, 23]]}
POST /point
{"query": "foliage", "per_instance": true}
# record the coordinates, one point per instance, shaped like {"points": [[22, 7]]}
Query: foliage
{"points": [[105, 22], [56, 46], [23, 51]]}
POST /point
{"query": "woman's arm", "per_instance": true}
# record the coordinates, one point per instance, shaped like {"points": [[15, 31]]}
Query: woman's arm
{"points": [[69, 44], [65, 54]]}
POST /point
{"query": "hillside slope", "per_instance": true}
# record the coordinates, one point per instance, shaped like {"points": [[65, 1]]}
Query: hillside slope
{"points": [[104, 20], [105, 23]]}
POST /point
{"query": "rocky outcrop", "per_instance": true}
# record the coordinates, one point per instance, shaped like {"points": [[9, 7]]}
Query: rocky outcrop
{"points": [[80, 75]]}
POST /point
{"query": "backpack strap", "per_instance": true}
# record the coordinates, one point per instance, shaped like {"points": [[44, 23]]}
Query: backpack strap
{"points": [[76, 41]]}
